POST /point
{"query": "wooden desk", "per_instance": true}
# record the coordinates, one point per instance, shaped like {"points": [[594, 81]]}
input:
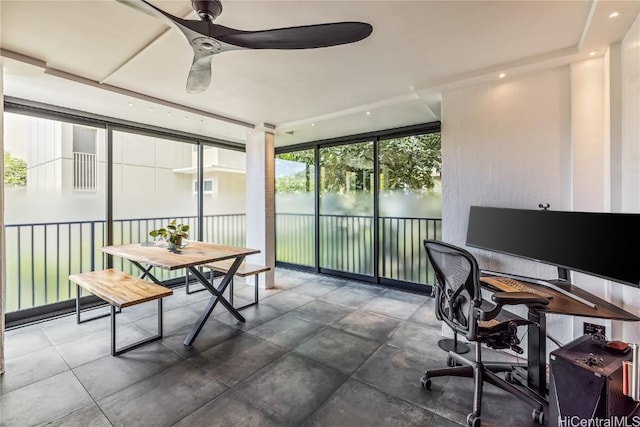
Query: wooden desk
{"points": [[156, 254], [561, 304]]}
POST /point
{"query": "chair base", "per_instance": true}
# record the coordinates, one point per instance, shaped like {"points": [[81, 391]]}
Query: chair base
{"points": [[485, 372]]}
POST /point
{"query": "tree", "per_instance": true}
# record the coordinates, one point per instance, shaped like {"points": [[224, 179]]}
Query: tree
{"points": [[409, 162], [15, 170]]}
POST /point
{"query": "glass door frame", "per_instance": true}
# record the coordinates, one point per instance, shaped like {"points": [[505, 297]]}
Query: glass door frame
{"points": [[376, 137]]}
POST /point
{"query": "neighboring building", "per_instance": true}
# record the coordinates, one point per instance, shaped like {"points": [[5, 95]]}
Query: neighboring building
{"points": [[153, 177]]}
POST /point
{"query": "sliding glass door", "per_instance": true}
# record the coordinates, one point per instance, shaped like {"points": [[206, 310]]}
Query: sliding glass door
{"points": [[409, 205], [363, 209], [346, 208]]}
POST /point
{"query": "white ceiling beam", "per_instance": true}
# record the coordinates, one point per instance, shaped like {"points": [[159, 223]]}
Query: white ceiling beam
{"points": [[115, 89]]}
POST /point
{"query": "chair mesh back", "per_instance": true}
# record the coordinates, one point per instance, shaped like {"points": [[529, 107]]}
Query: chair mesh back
{"points": [[456, 270]]}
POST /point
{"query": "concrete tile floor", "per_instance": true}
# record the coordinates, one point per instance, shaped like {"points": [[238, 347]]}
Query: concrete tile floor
{"points": [[316, 351]]}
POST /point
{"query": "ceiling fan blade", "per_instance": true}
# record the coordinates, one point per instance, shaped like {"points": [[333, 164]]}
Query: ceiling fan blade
{"points": [[302, 37], [151, 10], [200, 73]]}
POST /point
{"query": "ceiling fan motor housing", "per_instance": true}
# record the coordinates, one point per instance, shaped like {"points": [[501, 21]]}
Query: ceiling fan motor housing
{"points": [[208, 10]]}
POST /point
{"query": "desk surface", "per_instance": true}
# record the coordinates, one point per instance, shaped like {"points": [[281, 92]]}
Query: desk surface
{"points": [[562, 304], [193, 254]]}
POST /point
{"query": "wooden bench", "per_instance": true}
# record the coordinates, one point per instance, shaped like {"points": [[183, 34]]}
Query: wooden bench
{"points": [[120, 290], [245, 270]]}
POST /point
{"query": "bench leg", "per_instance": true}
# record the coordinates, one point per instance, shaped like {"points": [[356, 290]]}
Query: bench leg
{"points": [[115, 351], [255, 299], [78, 309], [186, 282]]}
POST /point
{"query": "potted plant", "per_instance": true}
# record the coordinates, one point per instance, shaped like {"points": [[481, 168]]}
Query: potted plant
{"points": [[175, 233]]}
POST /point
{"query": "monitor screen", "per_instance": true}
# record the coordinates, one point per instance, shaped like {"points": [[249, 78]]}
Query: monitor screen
{"points": [[606, 245]]}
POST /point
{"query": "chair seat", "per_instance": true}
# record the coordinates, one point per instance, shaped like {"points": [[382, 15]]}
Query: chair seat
{"points": [[500, 322]]}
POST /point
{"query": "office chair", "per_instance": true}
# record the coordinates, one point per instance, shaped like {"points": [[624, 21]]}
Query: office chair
{"points": [[459, 304]]}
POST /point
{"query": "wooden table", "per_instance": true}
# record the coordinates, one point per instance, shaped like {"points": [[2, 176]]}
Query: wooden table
{"points": [[560, 304], [147, 255]]}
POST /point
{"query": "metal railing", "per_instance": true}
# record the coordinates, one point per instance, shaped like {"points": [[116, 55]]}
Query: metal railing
{"points": [[346, 244], [40, 257], [85, 172]]}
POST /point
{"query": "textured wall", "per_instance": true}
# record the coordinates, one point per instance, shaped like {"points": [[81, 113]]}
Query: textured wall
{"points": [[569, 137], [507, 144]]}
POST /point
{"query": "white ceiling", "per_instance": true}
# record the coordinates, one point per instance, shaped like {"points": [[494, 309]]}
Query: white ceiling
{"points": [[107, 58]]}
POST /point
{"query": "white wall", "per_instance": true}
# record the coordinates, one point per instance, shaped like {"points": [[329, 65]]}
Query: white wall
{"points": [[628, 297], [547, 138]]}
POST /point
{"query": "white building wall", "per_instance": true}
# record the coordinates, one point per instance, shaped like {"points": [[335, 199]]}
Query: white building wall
{"points": [[545, 138]]}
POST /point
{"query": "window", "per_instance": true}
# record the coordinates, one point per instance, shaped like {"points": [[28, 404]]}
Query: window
{"points": [[209, 188], [84, 159]]}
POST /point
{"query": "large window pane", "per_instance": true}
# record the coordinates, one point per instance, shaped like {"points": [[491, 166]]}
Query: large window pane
{"points": [[410, 205], [150, 188], [224, 195], [54, 207], [295, 186], [346, 208]]}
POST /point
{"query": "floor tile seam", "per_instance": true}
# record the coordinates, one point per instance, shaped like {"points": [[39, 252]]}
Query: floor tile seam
{"points": [[386, 315], [209, 375], [219, 396], [48, 422], [69, 340], [95, 402], [93, 335], [5, 391], [324, 401], [364, 381], [286, 353], [335, 320]]}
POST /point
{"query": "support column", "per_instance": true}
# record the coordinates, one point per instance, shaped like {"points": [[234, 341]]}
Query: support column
{"points": [[2, 267], [260, 204]]}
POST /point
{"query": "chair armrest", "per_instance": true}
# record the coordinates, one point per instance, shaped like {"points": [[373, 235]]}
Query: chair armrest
{"points": [[517, 298]]}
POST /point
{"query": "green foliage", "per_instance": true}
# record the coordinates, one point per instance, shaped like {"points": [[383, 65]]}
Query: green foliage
{"points": [[15, 170], [411, 162], [301, 181], [174, 230]]}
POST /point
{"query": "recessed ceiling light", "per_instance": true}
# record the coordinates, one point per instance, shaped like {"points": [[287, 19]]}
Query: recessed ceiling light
{"points": [[150, 108], [368, 113], [614, 14], [502, 75], [168, 113], [201, 121], [594, 52], [130, 104], [186, 117], [313, 124]]}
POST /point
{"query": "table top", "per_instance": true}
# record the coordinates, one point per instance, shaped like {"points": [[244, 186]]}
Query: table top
{"points": [[192, 253], [562, 304]]}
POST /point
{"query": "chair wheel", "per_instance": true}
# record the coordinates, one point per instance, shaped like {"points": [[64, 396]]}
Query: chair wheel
{"points": [[451, 362], [473, 421], [508, 377], [425, 382], [537, 416]]}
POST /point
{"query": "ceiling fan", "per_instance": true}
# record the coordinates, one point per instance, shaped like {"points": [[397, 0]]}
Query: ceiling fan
{"points": [[208, 39]]}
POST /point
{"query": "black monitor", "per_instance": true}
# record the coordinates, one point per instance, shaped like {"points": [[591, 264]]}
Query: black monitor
{"points": [[605, 245]]}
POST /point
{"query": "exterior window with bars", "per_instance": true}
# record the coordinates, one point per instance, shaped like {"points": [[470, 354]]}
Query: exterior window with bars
{"points": [[85, 163]]}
